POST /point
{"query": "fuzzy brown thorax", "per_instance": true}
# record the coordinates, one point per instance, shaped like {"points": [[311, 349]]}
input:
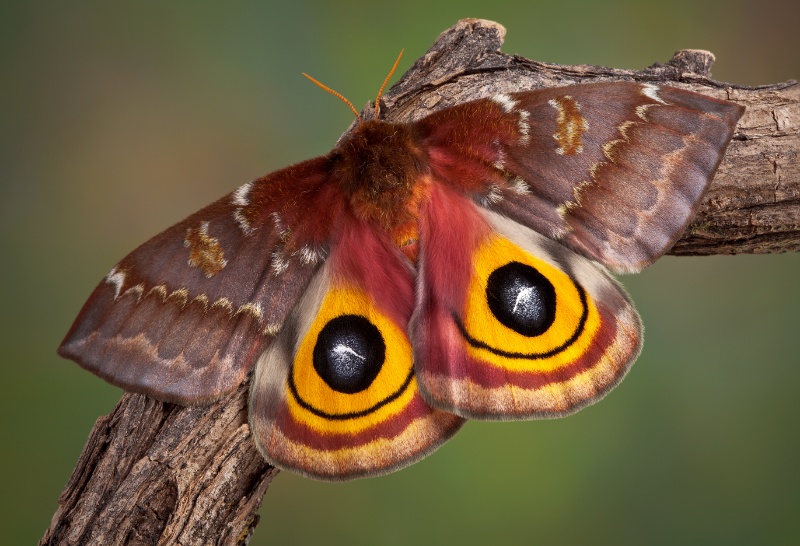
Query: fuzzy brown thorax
{"points": [[380, 168]]}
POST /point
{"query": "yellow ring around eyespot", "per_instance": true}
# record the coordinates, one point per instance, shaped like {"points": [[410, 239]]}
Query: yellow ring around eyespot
{"points": [[355, 424], [391, 378], [480, 323]]}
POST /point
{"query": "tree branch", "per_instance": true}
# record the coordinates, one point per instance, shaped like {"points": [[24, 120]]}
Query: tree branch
{"points": [[154, 473]]}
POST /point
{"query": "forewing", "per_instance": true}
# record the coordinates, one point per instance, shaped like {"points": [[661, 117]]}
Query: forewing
{"points": [[614, 170], [510, 324], [184, 317], [335, 397]]}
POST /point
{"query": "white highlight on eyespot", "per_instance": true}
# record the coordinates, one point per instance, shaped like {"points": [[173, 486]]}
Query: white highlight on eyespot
{"points": [[505, 101], [344, 349], [117, 278], [527, 299], [651, 91]]}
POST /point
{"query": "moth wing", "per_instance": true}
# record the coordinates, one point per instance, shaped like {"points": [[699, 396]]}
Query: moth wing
{"points": [[613, 170], [510, 324], [335, 396], [184, 317]]}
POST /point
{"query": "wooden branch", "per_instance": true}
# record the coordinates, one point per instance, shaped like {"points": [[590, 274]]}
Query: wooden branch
{"points": [[154, 473]]}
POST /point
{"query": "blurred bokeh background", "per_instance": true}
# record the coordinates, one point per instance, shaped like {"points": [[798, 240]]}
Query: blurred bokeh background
{"points": [[117, 120]]}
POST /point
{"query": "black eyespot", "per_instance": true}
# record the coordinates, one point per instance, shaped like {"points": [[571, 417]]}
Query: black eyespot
{"points": [[521, 298], [349, 353]]}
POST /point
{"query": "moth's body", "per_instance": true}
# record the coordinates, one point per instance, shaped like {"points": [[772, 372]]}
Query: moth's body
{"points": [[419, 274], [382, 170]]}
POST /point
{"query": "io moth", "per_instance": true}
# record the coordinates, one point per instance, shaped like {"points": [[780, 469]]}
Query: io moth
{"points": [[418, 275]]}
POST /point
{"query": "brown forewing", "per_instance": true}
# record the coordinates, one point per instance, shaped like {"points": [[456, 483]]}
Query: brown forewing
{"points": [[614, 170], [185, 316]]}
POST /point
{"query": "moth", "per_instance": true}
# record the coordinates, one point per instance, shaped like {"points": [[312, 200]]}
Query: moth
{"points": [[420, 274]]}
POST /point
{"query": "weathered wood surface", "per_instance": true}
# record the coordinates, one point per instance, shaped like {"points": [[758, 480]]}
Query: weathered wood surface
{"points": [[154, 473]]}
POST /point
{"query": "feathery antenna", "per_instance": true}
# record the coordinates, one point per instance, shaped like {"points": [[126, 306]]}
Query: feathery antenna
{"points": [[335, 94], [380, 91], [350, 104]]}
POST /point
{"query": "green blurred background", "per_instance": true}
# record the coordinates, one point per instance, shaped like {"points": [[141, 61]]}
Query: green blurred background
{"points": [[118, 120]]}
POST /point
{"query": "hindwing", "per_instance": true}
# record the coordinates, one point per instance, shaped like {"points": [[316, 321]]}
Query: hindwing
{"points": [[335, 396], [510, 324]]}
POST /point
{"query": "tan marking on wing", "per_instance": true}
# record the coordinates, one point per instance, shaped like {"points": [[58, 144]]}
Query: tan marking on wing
{"points": [[610, 150], [524, 127], [179, 296], [136, 290], [205, 252], [252, 309], [159, 290], [117, 278], [567, 206], [272, 329], [505, 102], [241, 199], [570, 125], [223, 304], [641, 111], [651, 91]]}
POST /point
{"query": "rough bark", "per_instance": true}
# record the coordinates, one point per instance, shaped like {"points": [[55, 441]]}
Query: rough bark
{"points": [[154, 473]]}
